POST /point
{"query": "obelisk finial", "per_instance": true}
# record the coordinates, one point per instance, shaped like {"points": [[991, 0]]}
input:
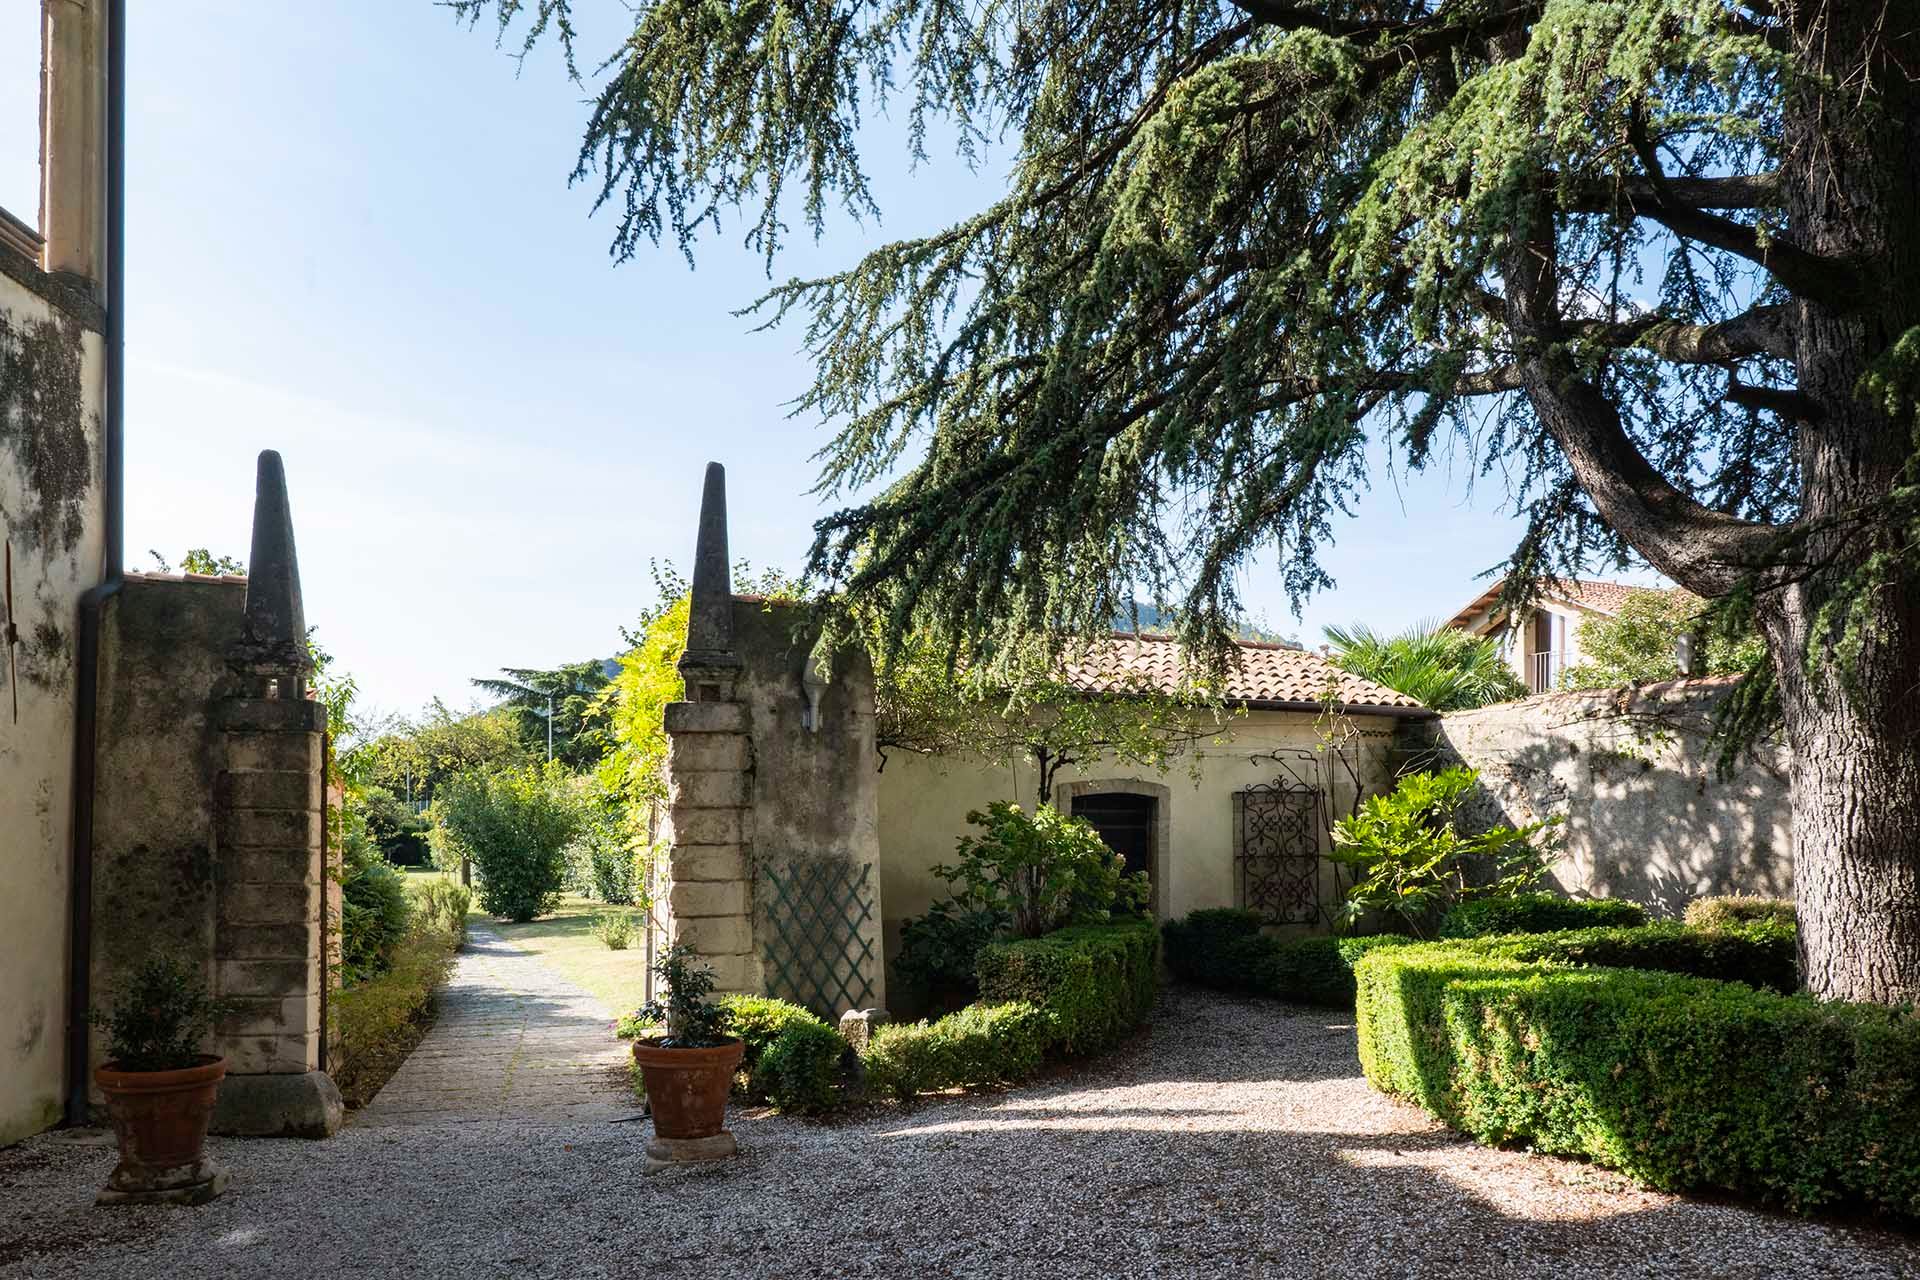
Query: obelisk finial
{"points": [[710, 657], [274, 636]]}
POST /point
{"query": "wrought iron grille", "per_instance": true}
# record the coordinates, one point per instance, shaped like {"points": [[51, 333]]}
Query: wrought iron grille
{"points": [[1278, 852], [817, 950]]}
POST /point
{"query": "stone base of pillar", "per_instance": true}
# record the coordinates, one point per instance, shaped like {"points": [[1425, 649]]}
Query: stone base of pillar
{"points": [[666, 1153], [279, 1105]]}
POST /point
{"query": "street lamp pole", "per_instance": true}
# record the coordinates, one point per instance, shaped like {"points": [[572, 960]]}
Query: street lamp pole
{"points": [[549, 726]]}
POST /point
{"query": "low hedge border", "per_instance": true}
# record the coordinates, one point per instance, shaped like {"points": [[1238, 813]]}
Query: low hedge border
{"points": [[1761, 955], [1076, 991], [378, 1021], [1537, 913], [1223, 947], [1682, 1082], [1732, 910]]}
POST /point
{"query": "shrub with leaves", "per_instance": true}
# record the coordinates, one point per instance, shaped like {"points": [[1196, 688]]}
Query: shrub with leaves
{"points": [[1728, 911], [614, 929], [690, 1016], [982, 1044], [444, 904], [800, 1072], [160, 1014], [515, 824], [1042, 871], [378, 1022], [1412, 862], [938, 950], [1537, 913]]}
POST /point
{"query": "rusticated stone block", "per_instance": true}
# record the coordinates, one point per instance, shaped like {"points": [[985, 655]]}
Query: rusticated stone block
{"points": [[267, 1016], [714, 935], [295, 752], [696, 751], [708, 898], [290, 941], [705, 717], [710, 789], [706, 826], [270, 829], [280, 868], [273, 715], [265, 977], [736, 973], [272, 903], [297, 789], [709, 862], [276, 1054]]}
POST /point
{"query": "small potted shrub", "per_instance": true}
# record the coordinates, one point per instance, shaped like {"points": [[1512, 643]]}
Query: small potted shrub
{"points": [[160, 1087], [689, 1069]]}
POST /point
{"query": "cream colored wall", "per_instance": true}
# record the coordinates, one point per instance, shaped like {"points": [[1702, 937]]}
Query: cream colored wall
{"points": [[50, 512], [924, 802]]}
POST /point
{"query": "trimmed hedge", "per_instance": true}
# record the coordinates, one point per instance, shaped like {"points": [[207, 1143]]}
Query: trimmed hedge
{"points": [[1759, 955], [1097, 982], [800, 1070], [1682, 1082], [982, 1044], [1075, 991], [1731, 910], [1537, 913], [1224, 948], [380, 1020]]}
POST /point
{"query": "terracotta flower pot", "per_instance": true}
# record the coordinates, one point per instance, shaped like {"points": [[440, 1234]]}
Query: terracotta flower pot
{"points": [[687, 1090], [160, 1118]]}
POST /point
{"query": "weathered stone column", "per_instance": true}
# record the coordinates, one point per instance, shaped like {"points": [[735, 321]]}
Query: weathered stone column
{"points": [[710, 769], [270, 928]]}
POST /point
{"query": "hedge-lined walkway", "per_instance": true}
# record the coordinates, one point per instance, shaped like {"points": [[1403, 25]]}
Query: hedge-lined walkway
{"points": [[513, 1040], [1234, 1139]]}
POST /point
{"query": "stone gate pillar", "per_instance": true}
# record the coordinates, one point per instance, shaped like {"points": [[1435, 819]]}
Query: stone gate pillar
{"points": [[709, 885], [270, 932], [772, 872]]}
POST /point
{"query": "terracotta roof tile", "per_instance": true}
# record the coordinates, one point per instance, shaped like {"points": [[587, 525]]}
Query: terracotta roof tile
{"points": [[1584, 593], [1266, 674]]}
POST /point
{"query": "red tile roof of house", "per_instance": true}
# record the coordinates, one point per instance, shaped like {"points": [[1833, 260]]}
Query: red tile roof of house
{"points": [[1267, 676], [1581, 593]]}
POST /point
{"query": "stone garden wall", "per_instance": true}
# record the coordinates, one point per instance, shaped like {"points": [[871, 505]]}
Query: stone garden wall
{"points": [[1648, 815]]}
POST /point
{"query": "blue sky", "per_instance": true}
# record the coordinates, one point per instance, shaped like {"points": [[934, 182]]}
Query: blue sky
{"points": [[350, 238]]}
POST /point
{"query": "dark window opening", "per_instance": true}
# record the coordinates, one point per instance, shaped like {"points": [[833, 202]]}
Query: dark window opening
{"points": [[1125, 822]]}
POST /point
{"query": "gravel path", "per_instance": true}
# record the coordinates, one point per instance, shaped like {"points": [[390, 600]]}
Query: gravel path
{"points": [[513, 1039], [1234, 1139]]}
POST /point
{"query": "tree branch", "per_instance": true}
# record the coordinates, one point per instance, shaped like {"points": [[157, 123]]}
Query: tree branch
{"points": [[1601, 195], [1704, 550], [1785, 401], [1762, 331]]}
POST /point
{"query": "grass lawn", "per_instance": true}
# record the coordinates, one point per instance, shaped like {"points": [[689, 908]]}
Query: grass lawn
{"points": [[564, 941]]}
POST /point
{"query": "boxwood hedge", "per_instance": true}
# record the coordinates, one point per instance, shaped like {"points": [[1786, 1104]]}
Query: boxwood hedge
{"points": [[1537, 913], [1761, 955], [1681, 1081], [1224, 948]]}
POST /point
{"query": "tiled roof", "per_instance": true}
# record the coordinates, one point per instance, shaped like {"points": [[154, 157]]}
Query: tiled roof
{"points": [[1582, 593], [1268, 675]]}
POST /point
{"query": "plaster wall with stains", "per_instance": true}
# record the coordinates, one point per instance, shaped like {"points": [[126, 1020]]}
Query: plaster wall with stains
{"points": [[52, 519]]}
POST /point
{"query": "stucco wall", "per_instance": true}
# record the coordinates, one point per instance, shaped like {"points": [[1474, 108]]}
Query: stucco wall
{"points": [[1647, 815], [51, 383], [924, 802], [154, 870]]}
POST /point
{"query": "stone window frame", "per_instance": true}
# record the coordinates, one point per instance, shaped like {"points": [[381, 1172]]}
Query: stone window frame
{"points": [[20, 230], [1065, 793]]}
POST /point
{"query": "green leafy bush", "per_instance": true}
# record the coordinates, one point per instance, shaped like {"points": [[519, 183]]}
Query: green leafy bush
{"points": [[396, 827], [1410, 860], [378, 1022], [760, 1020], [1537, 913], [1682, 1082], [515, 824], [1761, 955], [1095, 982], [982, 1044], [159, 1015], [938, 951], [1731, 910], [1041, 871], [614, 929], [445, 903], [375, 912], [1224, 948], [800, 1071]]}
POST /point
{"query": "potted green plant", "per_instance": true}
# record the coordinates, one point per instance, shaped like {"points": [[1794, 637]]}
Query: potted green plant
{"points": [[160, 1087], [689, 1069]]}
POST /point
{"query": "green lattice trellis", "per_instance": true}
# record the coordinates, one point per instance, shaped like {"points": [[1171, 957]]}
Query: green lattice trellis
{"points": [[817, 950]]}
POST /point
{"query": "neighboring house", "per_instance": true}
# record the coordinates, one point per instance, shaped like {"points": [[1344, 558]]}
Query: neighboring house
{"points": [[1545, 644], [1242, 818]]}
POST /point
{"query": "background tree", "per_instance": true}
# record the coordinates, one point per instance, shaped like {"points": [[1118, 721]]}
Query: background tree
{"points": [[554, 707], [1443, 667], [515, 826], [415, 758], [1657, 260], [1638, 642]]}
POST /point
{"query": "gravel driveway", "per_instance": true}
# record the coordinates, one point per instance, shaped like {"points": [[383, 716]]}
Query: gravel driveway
{"points": [[1236, 1138]]}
